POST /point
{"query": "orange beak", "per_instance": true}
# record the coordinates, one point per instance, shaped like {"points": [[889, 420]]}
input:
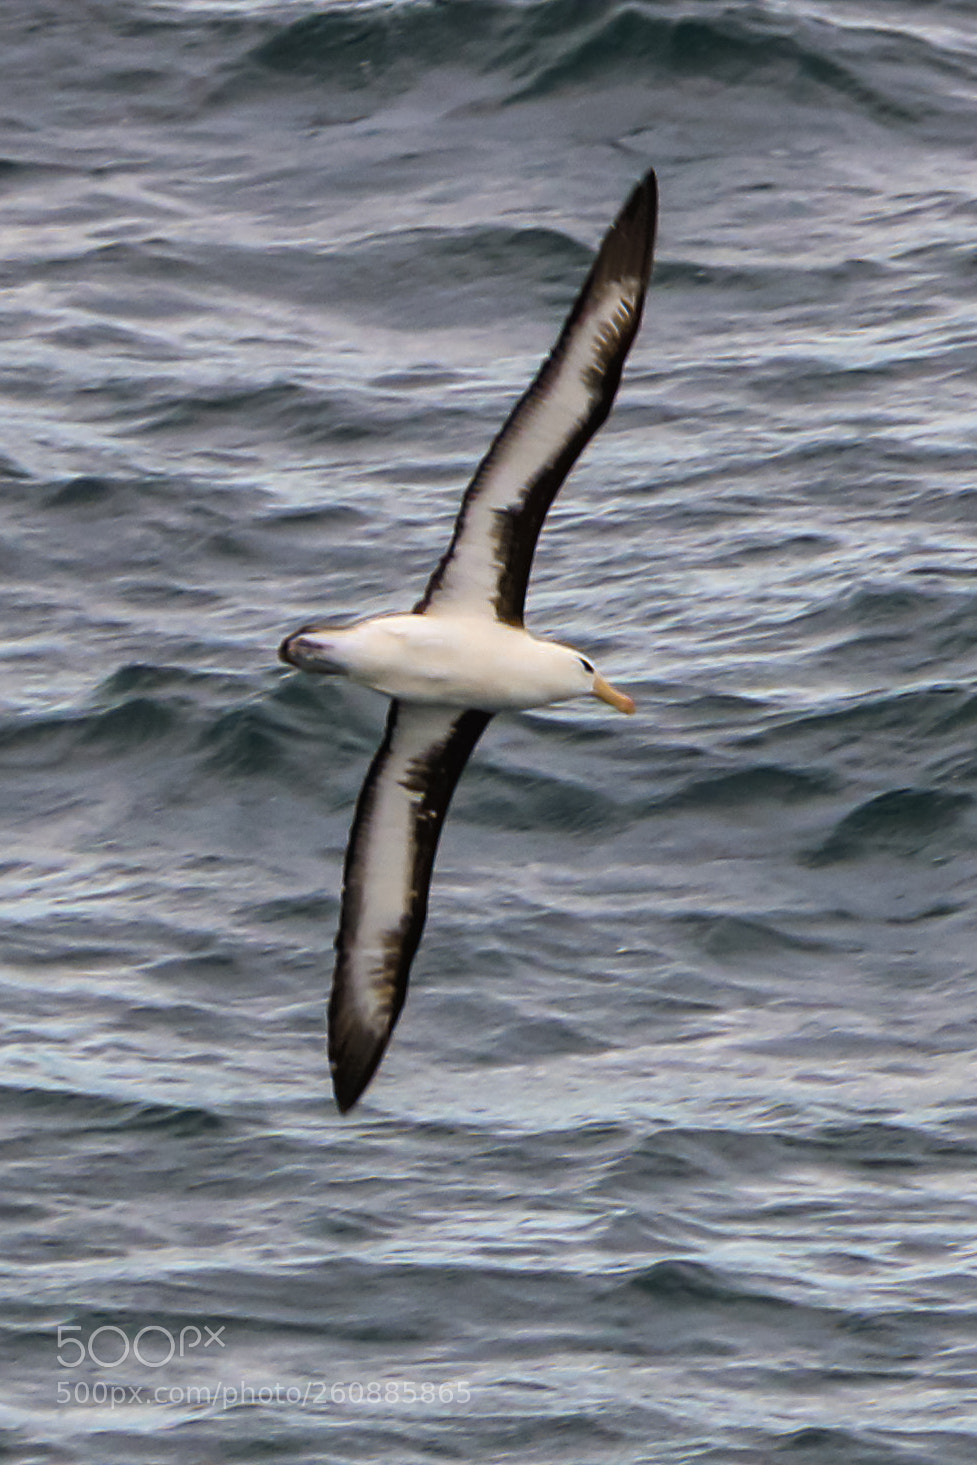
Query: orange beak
{"points": [[610, 694]]}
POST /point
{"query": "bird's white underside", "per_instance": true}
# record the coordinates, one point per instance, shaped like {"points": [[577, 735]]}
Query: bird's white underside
{"points": [[458, 660]]}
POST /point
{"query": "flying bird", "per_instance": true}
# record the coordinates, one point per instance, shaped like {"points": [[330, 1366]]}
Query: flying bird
{"points": [[463, 653]]}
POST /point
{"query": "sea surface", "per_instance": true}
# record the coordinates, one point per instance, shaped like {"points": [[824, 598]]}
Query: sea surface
{"points": [[674, 1155]]}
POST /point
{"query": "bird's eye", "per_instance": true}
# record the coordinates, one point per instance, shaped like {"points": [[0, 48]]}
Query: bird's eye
{"points": [[586, 665]]}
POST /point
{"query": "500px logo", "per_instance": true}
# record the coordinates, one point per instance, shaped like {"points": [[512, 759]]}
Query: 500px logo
{"points": [[154, 1346]]}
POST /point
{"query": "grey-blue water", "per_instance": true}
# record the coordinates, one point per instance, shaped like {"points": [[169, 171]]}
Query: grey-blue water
{"points": [[673, 1156]]}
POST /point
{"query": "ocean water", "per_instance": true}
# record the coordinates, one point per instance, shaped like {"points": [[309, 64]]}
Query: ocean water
{"points": [[674, 1155]]}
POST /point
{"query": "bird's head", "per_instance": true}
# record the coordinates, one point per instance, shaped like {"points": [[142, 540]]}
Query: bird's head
{"points": [[583, 677]]}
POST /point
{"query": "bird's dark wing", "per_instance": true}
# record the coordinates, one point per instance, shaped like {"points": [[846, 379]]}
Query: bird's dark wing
{"points": [[386, 877], [486, 566]]}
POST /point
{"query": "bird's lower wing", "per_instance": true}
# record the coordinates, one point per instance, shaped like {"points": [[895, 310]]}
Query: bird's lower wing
{"points": [[486, 567], [386, 877]]}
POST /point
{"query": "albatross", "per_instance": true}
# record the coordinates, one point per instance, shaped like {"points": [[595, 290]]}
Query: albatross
{"points": [[463, 653]]}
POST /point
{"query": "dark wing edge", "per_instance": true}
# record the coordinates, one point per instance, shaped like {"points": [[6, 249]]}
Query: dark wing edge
{"points": [[625, 255], [386, 878]]}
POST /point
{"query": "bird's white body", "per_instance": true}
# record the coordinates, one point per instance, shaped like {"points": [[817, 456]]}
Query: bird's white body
{"points": [[448, 661]]}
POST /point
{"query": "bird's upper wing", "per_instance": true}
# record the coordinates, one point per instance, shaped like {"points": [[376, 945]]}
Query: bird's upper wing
{"points": [[486, 566], [389, 858]]}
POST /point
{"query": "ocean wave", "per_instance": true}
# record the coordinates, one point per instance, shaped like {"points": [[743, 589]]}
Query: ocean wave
{"points": [[749, 787], [162, 714], [680, 1285], [902, 821], [63, 1108], [505, 797], [921, 717], [557, 46]]}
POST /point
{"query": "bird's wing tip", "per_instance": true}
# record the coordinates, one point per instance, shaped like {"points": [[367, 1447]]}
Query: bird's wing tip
{"points": [[351, 1075]]}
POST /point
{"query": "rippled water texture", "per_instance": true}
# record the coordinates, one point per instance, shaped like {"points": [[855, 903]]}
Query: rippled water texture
{"points": [[673, 1156]]}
